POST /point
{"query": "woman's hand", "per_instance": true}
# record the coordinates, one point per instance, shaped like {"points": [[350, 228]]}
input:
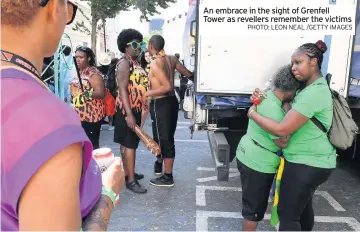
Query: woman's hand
{"points": [[258, 94], [114, 177]]}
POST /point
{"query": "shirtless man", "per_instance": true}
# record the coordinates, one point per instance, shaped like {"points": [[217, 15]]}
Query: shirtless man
{"points": [[164, 107]]}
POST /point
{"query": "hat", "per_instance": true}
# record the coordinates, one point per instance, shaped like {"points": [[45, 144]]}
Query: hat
{"points": [[104, 59]]}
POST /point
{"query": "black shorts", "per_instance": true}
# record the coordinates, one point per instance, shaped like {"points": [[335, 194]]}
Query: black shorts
{"points": [[164, 115], [256, 188], [122, 133]]}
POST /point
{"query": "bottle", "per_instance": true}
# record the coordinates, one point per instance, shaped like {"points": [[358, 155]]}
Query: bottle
{"points": [[257, 101], [103, 157]]}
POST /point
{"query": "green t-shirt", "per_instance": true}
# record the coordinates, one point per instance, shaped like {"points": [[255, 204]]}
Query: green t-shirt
{"points": [[252, 155], [309, 145]]}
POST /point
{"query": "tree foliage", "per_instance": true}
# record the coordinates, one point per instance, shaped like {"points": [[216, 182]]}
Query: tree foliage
{"points": [[103, 9]]}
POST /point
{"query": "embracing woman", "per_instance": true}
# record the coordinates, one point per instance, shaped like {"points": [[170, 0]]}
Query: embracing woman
{"points": [[310, 157]]}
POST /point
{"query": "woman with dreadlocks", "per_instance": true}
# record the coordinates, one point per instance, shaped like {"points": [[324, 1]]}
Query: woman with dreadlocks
{"points": [[309, 156]]}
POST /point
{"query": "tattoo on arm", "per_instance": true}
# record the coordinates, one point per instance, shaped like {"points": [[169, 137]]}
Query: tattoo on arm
{"points": [[99, 217]]}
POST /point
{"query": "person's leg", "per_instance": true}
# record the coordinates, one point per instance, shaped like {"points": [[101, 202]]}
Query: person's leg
{"points": [[165, 116], [297, 188], [92, 130], [128, 140], [129, 155], [158, 165], [110, 125], [96, 134], [307, 218], [173, 118], [255, 194]]}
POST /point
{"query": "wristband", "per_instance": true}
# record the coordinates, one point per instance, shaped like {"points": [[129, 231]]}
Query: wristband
{"points": [[109, 193], [249, 114], [91, 93]]}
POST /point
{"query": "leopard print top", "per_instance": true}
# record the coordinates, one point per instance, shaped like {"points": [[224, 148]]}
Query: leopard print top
{"points": [[91, 111], [137, 86]]}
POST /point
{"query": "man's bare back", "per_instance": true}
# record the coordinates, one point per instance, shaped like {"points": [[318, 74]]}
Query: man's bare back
{"points": [[166, 66]]}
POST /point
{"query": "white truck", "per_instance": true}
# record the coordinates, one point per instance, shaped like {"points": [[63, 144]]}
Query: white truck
{"points": [[228, 69]]}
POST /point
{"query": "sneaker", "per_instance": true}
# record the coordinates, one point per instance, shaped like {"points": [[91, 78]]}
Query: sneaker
{"points": [[158, 168], [135, 187], [163, 181], [138, 176]]}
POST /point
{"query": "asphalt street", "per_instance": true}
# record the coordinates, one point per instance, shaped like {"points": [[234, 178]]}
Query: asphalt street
{"points": [[199, 202]]}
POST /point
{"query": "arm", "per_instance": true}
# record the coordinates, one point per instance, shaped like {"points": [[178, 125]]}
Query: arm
{"points": [[122, 77], [113, 178], [97, 83], [50, 200], [165, 85], [144, 115], [291, 123], [99, 217], [309, 101], [182, 69], [286, 107]]}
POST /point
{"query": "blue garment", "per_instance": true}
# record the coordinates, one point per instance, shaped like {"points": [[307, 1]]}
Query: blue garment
{"points": [[66, 68]]}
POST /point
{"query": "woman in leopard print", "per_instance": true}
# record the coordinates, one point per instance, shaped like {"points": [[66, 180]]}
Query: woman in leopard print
{"points": [[93, 110]]}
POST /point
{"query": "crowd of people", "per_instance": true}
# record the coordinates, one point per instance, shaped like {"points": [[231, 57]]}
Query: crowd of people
{"points": [[50, 180]]}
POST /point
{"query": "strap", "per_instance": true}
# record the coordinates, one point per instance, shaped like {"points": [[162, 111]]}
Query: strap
{"points": [[21, 62], [318, 124], [171, 74], [257, 144]]}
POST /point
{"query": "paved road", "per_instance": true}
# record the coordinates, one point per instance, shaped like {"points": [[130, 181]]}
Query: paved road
{"points": [[199, 202]]}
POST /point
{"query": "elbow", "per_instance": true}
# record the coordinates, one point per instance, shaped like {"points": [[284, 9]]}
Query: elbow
{"points": [[281, 131]]}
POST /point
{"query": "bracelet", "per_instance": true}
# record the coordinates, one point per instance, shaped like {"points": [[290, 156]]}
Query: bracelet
{"points": [[249, 114], [109, 193]]}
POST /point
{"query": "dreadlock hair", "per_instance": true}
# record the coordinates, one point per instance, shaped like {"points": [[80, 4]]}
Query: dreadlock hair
{"points": [[284, 79], [89, 53], [314, 50]]}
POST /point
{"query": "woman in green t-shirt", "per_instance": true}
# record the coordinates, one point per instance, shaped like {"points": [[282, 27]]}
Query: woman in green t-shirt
{"points": [[256, 155], [310, 157]]}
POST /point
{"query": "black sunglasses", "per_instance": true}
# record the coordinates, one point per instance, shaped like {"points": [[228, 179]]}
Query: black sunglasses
{"points": [[72, 9]]}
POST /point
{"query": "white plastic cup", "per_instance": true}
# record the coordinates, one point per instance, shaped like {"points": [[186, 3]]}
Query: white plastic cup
{"points": [[103, 157]]}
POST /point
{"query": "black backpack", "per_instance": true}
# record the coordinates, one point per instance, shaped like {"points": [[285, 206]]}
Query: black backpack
{"points": [[111, 83]]}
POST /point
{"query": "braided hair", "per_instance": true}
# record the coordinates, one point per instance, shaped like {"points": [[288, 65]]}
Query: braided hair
{"points": [[314, 50], [89, 53]]}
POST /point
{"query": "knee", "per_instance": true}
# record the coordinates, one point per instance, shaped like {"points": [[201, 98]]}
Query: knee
{"points": [[252, 216]]}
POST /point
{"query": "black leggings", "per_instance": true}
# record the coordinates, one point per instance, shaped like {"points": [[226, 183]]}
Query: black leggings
{"points": [[92, 130], [298, 185], [164, 115]]}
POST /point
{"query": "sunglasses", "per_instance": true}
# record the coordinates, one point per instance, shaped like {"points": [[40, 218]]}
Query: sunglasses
{"points": [[72, 8], [136, 45], [83, 48]]}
